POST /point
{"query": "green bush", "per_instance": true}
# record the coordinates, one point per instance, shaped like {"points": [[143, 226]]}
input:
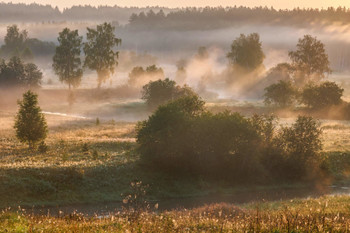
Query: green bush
{"points": [[301, 145], [161, 91], [181, 137], [324, 95], [281, 94]]}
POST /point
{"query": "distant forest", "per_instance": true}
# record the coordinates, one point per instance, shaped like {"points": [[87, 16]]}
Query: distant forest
{"points": [[166, 18], [219, 17], [18, 13]]}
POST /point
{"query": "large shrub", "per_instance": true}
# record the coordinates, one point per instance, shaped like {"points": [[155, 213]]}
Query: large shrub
{"points": [[281, 94], [246, 52], [321, 96], [17, 73], [181, 137], [301, 144], [159, 92]]}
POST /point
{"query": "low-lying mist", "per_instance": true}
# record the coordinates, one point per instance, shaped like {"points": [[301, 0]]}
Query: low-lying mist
{"points": [[177, 53]]}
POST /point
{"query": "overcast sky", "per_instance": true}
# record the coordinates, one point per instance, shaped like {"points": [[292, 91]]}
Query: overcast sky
{"points": [[199, 3]]}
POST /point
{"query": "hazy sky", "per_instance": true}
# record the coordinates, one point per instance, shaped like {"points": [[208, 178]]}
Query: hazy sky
{"points": [[199, 3]]}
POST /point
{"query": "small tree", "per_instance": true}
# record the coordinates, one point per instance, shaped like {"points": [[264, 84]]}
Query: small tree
{"points": [[246, 51], [33, 76], [66, 61], [14, 42], [310, 59], [99, 52], [324, 95], [161, 91], [302, 145], [281, 94], [30, 123]]}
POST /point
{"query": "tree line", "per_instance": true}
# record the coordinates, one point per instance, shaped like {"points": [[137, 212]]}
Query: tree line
{"points": [[221, 17], [19, 12], [18, 43], [161, 17], [99, 50]]}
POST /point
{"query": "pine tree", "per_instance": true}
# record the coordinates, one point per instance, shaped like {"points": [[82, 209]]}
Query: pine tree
{"points": [[30, 123]]}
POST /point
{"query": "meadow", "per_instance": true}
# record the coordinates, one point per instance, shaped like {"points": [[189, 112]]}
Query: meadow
{"points": [[325, 214], [88, 162]]}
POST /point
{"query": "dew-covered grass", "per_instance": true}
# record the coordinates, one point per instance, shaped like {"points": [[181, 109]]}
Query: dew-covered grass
{"points": [[325, 214], [89, 163]]}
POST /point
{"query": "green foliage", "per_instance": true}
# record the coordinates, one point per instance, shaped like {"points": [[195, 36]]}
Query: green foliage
{"points": [[181, 137], [302, 146], [310, 58], [30, 123], [18, 44], [99, 52], [43, 148], [321, 96], [161, 91], [140, 76], [40, 48], [281, 94], [14, 41], [246, 52], [282, 71], [66, 61], [16, 73]]}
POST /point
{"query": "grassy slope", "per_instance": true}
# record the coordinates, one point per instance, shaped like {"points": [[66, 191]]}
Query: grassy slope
{"points": [[68, 174]]}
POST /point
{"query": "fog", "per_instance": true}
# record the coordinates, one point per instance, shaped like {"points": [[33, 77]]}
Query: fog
{"points": [[209, 76]]}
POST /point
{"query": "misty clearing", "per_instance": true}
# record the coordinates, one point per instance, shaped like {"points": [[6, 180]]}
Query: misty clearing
{"points": [[158, 119]]}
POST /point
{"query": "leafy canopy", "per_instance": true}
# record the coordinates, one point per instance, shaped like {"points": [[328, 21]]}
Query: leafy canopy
{"points": [[246, 52], [321, 96], [161, 91], [66, 61], [99, 51], [310, 58], [183, 138], [281, 94], [16, 73]]}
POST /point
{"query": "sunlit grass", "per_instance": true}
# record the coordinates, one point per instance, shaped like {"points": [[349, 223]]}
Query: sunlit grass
{"points": [[86, 162], [325, 214]]}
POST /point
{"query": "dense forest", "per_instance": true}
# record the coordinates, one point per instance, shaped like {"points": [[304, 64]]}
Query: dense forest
{"points": [[219, 17], [10, 12], [184, 18]]}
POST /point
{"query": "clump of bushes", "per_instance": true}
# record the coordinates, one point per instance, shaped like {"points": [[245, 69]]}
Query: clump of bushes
{"points": [[317, 97], [159, 92], [182, 137], [281, 94], [320, 96]]}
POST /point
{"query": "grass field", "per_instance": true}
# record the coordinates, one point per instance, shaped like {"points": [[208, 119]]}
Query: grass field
{"points": [[325, 214], [89, 163]]}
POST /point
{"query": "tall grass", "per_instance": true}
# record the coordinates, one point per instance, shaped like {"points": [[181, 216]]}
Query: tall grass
{"points": [[326, 214]]}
